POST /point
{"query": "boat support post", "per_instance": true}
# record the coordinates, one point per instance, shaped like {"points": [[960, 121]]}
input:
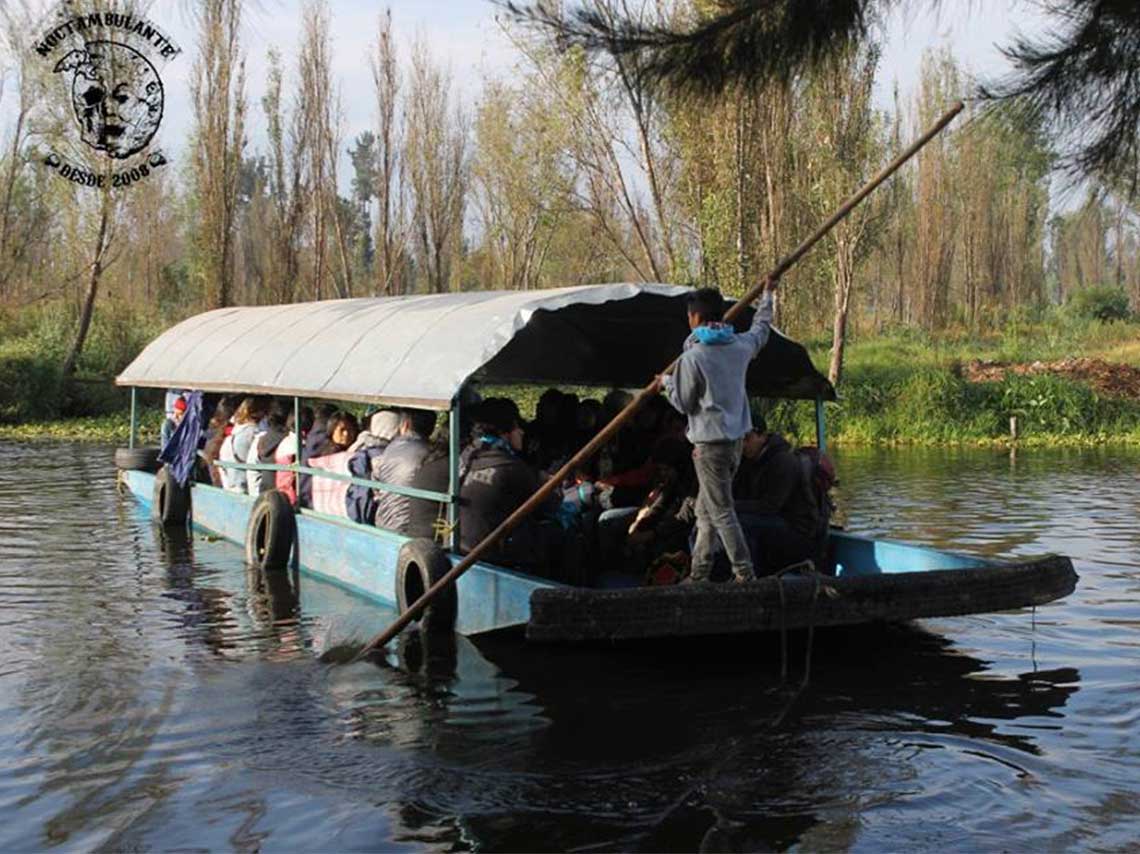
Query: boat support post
{"points": [[297, 442], [820, 432], [453, 442], [134, 416], [297, 463]]}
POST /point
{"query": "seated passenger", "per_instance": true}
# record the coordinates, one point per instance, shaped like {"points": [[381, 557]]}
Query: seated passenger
{"points": [[648, 423], [427, 518], [181, 453], [342, 431], [495, 481], [264, 450], [219, 428], [383, 427], [173, 416], [365, 453], [236, 447], [319, 434], [175, 413], [624, 489], [609, 457], [398, 466], [550, 436], [613, 403], [287, 453], [319, 443], [316, 438], [587, 422], [630, 449], [777, 503], [631, 537], [330, 495]]}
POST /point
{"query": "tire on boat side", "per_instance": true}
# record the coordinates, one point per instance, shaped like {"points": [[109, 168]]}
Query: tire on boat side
{"points": [[170, 503], [271, 532], [137, 459], [420, 565]]}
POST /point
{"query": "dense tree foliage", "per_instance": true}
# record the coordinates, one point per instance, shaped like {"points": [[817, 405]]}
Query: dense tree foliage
{"points": [[1080, 77], [576, 169]]}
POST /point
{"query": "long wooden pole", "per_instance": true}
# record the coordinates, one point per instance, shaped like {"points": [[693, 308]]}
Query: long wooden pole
{"points": [[651, 390]]}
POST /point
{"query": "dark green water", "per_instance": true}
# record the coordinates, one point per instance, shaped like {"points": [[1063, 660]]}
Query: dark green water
{"points": [[155, 695]]}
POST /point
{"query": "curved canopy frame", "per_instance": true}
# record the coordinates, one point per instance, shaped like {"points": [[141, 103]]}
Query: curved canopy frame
{"points": [[420, 350]]}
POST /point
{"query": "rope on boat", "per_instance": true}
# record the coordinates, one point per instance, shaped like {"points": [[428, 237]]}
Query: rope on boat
{"points": [[807, 567], [441, 529], [783, 629]]}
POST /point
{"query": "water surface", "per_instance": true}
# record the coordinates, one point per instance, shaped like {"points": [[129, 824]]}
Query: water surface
{"points": [[156, 694]]}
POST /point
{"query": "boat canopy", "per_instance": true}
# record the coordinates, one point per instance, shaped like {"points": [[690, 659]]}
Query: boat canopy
{"points": [[420, 350]]}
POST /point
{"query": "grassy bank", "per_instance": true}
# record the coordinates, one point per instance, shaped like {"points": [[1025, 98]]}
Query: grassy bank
{"points": [[903, 387], [114, 428], [899, 404], [910, 388]]}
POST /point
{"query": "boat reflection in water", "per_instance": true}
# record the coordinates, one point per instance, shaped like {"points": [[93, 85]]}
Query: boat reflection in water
{"points": [[674, 747], [665, 745]]}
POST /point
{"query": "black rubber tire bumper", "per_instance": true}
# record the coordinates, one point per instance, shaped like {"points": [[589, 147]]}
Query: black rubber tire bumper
{"points": [[420, 565], [137, 459], [271, 534], [577, 614], [170, 503]]}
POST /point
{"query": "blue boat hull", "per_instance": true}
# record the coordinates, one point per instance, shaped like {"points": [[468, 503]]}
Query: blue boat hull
{"points": [[875, 580], [362, 559]]}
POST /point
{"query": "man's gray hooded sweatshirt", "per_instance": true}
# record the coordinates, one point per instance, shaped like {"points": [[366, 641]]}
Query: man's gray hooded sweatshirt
{"points": [[708, 384]]}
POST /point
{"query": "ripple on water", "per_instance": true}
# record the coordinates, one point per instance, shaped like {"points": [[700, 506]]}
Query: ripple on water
{"points": [[155, 693]]}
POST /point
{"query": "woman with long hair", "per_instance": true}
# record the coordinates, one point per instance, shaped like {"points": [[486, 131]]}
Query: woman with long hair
{"points": [[237, 446]]}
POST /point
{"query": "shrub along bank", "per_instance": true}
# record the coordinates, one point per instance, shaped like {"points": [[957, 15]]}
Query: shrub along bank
{"points": [[908, 388], [932, 406], [33, 344], [108, 429]]}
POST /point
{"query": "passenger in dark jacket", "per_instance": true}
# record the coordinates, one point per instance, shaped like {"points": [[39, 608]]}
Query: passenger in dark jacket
{"points": [[367, 451], [398, 466], [495, 481], [315, 439], [549, 436], [427, 518], [776, 502], [319, 433]]}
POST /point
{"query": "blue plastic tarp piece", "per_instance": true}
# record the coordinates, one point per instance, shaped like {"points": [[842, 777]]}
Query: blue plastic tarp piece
{"points": [[181, 453]]}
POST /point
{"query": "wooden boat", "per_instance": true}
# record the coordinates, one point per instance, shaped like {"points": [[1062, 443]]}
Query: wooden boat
{"points": [[423, 351]]}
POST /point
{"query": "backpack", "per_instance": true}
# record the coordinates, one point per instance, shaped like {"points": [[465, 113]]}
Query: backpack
{"points": [[819, 475]]}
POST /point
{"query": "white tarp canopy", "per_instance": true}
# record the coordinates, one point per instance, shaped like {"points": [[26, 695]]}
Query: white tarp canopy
{"points": [[420, 350]]}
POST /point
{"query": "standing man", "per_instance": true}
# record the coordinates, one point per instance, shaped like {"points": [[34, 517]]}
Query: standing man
{"points": [[708, 387]]}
